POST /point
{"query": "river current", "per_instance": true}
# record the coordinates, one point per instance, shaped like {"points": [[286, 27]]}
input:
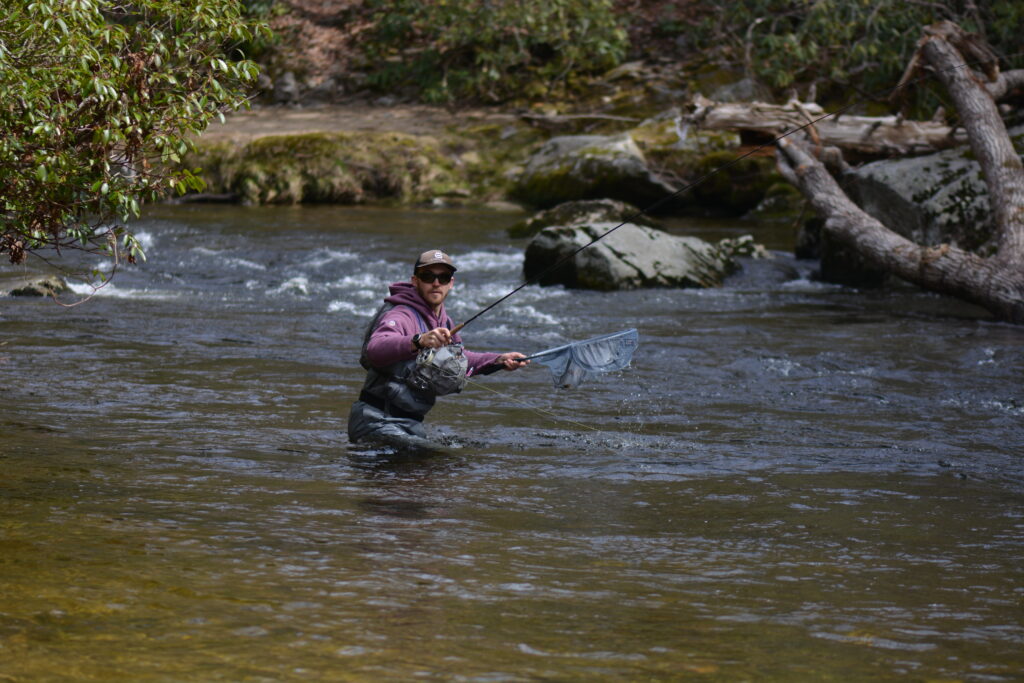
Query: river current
{"points": [[792, 481]]}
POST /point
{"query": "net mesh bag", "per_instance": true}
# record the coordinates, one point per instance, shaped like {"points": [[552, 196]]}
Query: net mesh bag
{"points": [[574, 363]]}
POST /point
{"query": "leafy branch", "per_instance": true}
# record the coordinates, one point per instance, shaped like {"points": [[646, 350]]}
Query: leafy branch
{"points": [[98, 99]]}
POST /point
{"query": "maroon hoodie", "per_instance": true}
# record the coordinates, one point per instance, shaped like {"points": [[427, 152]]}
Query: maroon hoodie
{"points": [[391, 340]]}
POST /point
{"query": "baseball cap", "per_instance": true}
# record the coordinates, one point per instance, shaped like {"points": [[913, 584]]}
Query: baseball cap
{"points": [[434, 256]]}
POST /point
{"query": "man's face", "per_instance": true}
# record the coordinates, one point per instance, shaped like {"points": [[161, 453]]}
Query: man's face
{"points": [[434, 293]]}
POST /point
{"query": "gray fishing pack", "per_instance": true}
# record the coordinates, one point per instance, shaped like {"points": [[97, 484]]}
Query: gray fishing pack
{"points": [[441, 371]]}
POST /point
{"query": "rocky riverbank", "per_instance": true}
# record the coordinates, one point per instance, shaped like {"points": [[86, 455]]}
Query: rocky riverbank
{"points": [[360, 153], [414, 154]]}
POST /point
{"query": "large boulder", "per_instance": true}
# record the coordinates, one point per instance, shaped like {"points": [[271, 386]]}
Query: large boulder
{"points": [[575, 167], [632, 256], [933, 199]]}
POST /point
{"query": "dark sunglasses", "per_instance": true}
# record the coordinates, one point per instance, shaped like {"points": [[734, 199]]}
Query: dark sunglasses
{"points": [[429, 276]]}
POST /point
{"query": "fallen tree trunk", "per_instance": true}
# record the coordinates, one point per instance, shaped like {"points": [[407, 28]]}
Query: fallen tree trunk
{"points": [[867, 135], [996, 282]]}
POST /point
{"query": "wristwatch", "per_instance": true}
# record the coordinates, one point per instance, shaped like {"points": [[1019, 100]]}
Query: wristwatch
{"points": [[416, 341]]}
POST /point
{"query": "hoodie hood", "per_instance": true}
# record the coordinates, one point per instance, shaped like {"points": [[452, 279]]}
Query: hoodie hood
{"points": [[405, 294]]}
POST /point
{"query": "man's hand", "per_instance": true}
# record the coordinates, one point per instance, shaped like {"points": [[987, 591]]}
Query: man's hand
{"points": [[512, 360], [436, 338]]}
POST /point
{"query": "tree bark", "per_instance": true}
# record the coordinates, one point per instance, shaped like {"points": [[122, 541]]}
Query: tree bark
{"points": [[995, 283], [1005, 82], [1004, 173], [867, 135]]}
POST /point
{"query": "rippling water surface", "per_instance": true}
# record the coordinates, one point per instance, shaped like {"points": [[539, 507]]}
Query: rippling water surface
{"points": [[792, 481]]}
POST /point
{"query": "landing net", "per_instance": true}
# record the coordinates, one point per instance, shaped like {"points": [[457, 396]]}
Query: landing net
{"points": [[574, 363]]}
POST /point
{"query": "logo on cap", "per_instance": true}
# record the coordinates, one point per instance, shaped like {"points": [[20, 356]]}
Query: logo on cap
{"points": [[439, 256]]}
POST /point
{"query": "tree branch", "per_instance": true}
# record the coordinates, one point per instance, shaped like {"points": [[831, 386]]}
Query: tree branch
{"points": [[1006, 82], [941, 268], [1000, 163], [870, 135]]}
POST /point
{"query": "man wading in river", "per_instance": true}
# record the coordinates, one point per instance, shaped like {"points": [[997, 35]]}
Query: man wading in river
{"points": [[411, 357]]}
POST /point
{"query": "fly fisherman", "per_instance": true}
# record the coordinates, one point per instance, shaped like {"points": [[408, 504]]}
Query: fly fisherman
{"points": [[411, 357]]}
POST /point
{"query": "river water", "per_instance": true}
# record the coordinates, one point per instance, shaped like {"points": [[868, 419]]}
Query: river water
{"points": [[792, 481]]}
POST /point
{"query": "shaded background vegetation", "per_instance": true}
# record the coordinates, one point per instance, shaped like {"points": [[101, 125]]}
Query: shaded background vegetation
{"points": [[523, 51]]}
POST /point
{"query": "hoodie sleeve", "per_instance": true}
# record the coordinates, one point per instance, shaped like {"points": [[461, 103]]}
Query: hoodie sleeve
{"points": [[481, 363], [391, 340]]}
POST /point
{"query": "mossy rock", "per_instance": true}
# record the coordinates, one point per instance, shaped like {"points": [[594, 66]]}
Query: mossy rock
{"points": [[678, 151], [939, 198], [574, 167], [781, 203], [667, 133], [732, 186], [491, 156], [341, 168]]}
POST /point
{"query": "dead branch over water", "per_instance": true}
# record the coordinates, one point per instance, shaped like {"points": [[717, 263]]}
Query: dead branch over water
{"points": [[997, 282]]}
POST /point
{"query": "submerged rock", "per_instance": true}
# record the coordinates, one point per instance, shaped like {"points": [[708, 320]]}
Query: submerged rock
{"points": [[575, 167], [632, 256], [583, 211], [744, 245]]}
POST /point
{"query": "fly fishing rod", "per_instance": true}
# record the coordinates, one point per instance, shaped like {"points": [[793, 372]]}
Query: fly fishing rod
{"points": [[691, 185]]}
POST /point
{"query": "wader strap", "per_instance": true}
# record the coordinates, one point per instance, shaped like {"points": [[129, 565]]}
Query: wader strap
{"points": [[419, 316]]}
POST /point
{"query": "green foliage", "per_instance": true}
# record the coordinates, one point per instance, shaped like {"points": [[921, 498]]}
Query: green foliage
{"points": [[257, 12], [98, 101], [1001, 22], [847, 48], [490, 49]]}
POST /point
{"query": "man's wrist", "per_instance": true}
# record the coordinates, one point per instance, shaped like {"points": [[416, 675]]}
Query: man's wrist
{"points": [[416, 342]]}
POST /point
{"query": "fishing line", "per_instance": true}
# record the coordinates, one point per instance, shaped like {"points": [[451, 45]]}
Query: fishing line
{"points": [[542, 413], [701, 179]]}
